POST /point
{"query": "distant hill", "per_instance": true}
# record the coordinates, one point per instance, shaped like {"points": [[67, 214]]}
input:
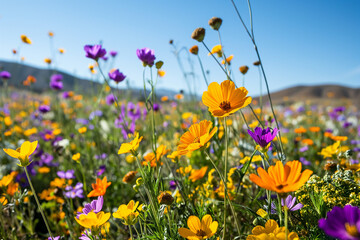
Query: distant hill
{"points": [[19, 73], [315, 93], [293, 94]]}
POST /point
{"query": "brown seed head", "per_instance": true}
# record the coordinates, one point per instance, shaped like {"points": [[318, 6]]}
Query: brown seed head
{"points": [[129, 176], [215, 23], [165, 198], [198, 34], [257, 63]]}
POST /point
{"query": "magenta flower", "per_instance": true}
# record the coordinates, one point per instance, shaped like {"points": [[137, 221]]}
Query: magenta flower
{"points": [[117, 76], [44, 108], [56, 82], [94, 51], [5, 75], [342, 223], [67, 175], [110, 99], [263, 136], [147, 56], [113, 53]]}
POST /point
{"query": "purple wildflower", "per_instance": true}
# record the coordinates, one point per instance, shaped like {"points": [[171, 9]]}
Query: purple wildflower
{"points": [[74, 192], [147, 56], [110, 99], [289, 203], [342, 223], [113, 53], [94, 51], [156, 107], [67, 175], [96, 113], [304, 161], [54, 238], [56, 81], [172, 185], [5, 75], [101, 170], [66, 95], [44, 108], [117, 76], [95, 206], [263, 136]]}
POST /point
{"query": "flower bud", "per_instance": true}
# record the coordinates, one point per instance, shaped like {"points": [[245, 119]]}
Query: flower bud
{"points": [[244, 69], [194, 50], [215, 23], [159, 64], [257, 63], [198, 34]]}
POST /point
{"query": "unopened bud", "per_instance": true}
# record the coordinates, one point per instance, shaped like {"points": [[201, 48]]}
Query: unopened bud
{"points": [[198, 34]]}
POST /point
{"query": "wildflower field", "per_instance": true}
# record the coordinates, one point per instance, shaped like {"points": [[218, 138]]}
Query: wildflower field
{"points": [[223, 164]]}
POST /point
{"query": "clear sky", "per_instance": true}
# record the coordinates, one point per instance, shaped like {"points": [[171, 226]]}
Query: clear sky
{"points": [[301, 42]]}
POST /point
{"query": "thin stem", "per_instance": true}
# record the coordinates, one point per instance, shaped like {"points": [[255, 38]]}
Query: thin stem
{"points": [[38, 203], [279, 209], [286, 222], [225, 172], [217, 61], [131, 234], [225, 193], [223, 54], [203, 72]]}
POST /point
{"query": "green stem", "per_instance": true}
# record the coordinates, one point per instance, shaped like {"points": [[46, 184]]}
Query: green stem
{"points": [[203, 72], [279, 209], [225, 173], [225, 193], [38, 203], [131, 234], [286, 223]]}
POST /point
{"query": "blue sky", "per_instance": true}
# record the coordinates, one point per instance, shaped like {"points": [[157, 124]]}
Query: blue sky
{"points": [[301, 42]]}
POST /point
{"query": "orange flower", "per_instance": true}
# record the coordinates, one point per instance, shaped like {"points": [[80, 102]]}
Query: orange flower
{"points": [[339, 138], [314, 129], [308, 141], [198, 174], [25, 39], [225, 99], [198, 136], [300, 130], [228, 60], [99, 187], [47, 60], [244, 69], [282, 179]]}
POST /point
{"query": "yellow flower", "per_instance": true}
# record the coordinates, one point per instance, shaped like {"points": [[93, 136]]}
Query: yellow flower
{"points": [[25, 39], [271, 231], [128, 213], [61, 50], [43, 170], [47, 60], [93, 219], [76, 157], [198, 174], [224, 99], [199, 230], [161, 73], [82, 130], [132, 146], [331, 150], [228, 60], [216, 49], [198, 136], [22, 153]]}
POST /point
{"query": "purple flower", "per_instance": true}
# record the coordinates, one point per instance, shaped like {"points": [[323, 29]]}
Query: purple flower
{"points": [[339, 109], [156, 107], [172, 185], [56, 81], [304, 149], [94, 51], [289, 203], [67, 175], [342, 223], [73, 192], [146, 55], [101, 170], [304, 161], [5, 75], [96, 113], [66, 95], [44, 108], [95, 206], [113, 53], [263, 136], [110, 99], [117, 76], [54, 238]]}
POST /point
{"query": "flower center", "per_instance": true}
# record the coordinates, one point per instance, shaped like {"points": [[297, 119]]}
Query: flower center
{"points": [[280, 186], [225, 105], [351, 230], [196, 140], [200, 233]]}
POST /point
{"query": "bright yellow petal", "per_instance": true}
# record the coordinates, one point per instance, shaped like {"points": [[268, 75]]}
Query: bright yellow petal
{"points": [[193, 223], [11, 152], [184, 232], [25, 148]]}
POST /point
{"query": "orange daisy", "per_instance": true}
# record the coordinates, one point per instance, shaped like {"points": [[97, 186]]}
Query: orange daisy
{"points": [[224, 99], [280, 178], [99, 187], [198, 136]]}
